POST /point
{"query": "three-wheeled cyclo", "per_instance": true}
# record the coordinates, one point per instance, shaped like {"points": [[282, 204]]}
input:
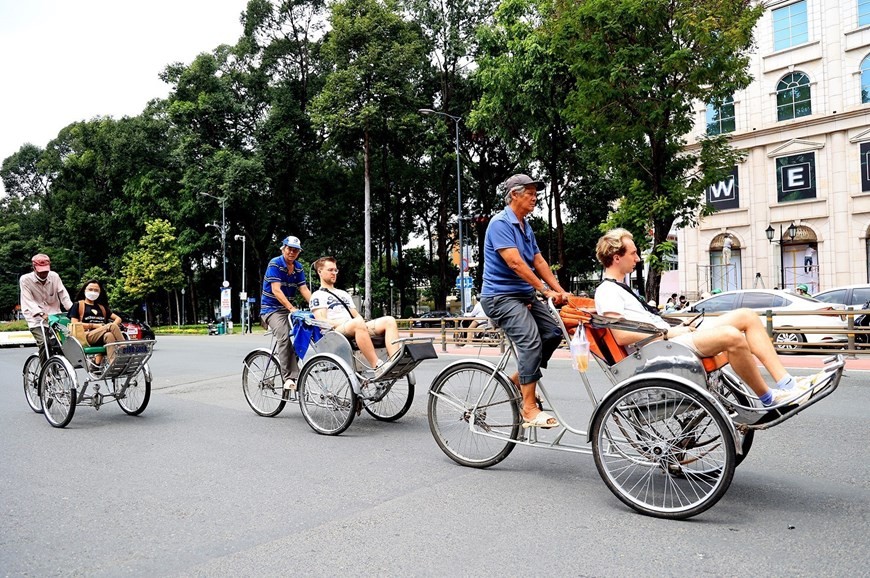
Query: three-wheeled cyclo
{"points": [[67, 374], [666, 436]]}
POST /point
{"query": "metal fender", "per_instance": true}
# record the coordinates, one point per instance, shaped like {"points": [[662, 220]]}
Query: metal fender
{"points": [[483, 364], [69, 368], [354, 382], [147, 371], [674, 379]]}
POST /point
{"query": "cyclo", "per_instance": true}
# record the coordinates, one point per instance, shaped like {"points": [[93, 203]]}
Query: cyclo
{"points": [[333, 386], [58, 387], [665, 437]]}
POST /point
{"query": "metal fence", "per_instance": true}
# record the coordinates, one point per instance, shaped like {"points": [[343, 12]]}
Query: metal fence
{"points": [[850, 340]]}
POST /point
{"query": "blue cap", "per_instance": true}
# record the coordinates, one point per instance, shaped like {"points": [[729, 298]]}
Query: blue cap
{"points": [[292, 241]]}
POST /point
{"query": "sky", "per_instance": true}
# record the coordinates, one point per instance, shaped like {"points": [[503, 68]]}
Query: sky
{"points": [[63, 61]]}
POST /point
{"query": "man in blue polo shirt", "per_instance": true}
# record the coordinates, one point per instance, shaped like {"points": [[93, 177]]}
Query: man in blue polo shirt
{"points": [[513, 271], [283, 279]]}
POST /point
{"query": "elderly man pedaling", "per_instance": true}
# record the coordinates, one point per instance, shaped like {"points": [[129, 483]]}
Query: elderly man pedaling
{"points": [[513, 271]]}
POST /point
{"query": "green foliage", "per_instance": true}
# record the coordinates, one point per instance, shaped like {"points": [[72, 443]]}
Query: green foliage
{"points": [[639, 66], [154, 266]]}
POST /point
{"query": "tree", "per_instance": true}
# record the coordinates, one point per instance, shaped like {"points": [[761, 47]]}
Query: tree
{"points": [[639, 67], [375, 58], [154, 266]]}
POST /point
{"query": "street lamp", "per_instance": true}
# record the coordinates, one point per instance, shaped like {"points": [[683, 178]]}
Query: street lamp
{"points": [[455, 119], [245, 312], [791, 232], [223, 228]]}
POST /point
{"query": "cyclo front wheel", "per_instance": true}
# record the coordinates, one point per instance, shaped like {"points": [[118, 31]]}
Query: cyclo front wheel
{"points": [[31, 383], [663, 449], [138, 393], [262, 384], [474, 414], [57, 390], [395, 403], [326, 396]]}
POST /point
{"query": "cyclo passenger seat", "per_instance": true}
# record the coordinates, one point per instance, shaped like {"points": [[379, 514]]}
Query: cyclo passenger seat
{"points": [[602, 343]]}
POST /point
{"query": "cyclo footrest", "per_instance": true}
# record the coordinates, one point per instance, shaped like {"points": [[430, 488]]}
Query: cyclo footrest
{"points": [[407, 358]]}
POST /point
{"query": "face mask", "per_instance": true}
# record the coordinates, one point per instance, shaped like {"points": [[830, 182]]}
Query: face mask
{"points": [[92, 295]]}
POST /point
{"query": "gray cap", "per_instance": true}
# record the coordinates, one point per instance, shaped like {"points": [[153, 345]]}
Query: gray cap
{"points": [[522, 180]]}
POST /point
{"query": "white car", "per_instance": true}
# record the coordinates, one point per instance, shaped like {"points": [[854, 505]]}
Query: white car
{"points": [[787, 328], [852, 296]]}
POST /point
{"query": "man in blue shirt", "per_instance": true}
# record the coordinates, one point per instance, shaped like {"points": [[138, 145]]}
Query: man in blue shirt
{"points": [[513, 271], [283, 279]]}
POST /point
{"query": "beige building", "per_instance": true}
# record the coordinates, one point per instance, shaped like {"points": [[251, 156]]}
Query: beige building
{"points": [[804, 123]]}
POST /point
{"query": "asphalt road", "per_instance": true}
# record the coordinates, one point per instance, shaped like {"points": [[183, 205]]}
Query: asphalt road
{"points": [[199, 485]]}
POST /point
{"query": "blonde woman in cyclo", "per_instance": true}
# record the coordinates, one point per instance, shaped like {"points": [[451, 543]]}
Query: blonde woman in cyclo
{"points": [[91, 309], [740, 333]]}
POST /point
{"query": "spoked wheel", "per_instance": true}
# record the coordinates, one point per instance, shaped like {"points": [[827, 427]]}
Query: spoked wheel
{"points": [[138, 393], [470, 392], [395, 403], [663, 449], [262, 384], [31, 383], [57, 391], [789, 342], [326, 395]]}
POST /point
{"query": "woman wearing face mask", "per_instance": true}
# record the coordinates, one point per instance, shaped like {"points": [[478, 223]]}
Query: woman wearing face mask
{"points": [[91, 308]]}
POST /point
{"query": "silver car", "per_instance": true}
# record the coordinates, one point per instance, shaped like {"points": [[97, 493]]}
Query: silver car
{"points": [[787, 328]]}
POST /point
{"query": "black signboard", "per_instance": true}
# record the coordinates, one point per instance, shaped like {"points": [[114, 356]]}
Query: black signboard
{"points": [[725, 194], [796, 177]]}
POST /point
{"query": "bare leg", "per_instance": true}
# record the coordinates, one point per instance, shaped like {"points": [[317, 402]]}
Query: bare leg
{"points": [[759, 342], [357, 329], [390, 330]]}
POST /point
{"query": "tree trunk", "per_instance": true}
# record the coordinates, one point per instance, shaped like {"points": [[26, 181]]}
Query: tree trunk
{"points": [[367, 213]]}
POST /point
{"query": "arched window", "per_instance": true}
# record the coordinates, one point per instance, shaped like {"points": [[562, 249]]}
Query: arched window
{"points": [[865, 79], [793, 96], [720, 117]]}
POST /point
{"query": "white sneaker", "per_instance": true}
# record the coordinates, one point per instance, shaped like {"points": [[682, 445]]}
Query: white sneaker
{"points": [[290, 384], [810, 381], [798, 395]]}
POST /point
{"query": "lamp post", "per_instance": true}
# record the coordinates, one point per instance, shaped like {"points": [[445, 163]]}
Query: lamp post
{"points": [[791, 232], [245, 313], [455, 119], [223, 202]]}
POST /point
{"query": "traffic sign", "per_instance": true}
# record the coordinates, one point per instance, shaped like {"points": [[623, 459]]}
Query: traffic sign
{"points": [[464, 282]]}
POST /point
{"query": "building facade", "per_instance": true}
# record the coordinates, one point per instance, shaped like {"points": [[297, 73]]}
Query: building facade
{"points": [[797, 209]]}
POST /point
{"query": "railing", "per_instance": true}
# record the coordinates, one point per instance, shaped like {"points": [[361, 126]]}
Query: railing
{"points": [[857, 339]]}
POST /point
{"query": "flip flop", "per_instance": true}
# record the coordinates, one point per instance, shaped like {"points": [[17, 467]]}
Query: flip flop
{"points": [[540, 421]]}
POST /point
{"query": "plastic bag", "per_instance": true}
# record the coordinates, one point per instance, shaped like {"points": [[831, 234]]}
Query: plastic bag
{"points": [[580, 350]]}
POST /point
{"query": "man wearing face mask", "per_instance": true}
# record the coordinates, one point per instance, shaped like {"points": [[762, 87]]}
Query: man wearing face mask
{"points": [[42, 294]]}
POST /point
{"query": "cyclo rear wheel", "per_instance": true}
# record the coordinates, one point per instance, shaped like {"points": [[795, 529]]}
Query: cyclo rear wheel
{"points": [[468, 392], [31, 383], [262, 384], [663, 449]]}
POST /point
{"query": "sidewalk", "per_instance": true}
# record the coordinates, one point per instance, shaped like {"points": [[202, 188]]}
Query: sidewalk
{"points": [[862, 363]]}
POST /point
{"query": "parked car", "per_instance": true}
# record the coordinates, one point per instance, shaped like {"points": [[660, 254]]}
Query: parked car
{"points": [[433, 319], [852, 296], [135, 328], [780, 302]]}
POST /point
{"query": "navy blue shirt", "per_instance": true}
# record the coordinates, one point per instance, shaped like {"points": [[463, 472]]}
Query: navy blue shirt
{"points": [[504, 232], [277, 270]]}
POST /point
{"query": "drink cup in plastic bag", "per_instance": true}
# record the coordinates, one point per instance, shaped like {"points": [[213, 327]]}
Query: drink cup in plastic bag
{"points": [[580, 351]]}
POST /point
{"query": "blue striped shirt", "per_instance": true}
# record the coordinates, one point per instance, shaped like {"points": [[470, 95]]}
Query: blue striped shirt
{"points": [[277, 270]]}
